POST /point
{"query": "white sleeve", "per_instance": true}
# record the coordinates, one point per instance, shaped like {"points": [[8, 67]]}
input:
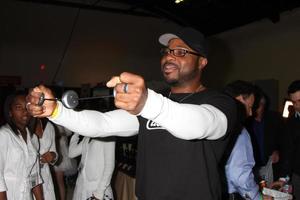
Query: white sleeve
{"points": [[3, 152], [239, 167], [96, 124], [75, 148], [185, 121]]}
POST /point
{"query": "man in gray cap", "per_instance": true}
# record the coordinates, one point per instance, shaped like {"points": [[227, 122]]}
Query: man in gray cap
{"points": [[182, 134]]}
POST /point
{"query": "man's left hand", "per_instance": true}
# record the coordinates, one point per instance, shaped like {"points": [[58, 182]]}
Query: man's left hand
{"points": [[130, 92]]}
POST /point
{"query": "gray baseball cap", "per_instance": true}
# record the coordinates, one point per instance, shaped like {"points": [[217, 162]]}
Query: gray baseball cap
{"points": [[193, 38]]}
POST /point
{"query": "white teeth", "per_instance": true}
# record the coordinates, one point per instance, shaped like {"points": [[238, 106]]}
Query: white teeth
{"points": [[170, 66]]}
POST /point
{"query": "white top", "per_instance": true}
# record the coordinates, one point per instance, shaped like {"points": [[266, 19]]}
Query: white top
{"points": [[185, 121], [67, 165], [19, 164], [96, 166], [47, 144], [47, 141]]}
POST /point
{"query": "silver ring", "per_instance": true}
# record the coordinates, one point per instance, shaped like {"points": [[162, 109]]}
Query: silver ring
{"points": [[125, 88]]}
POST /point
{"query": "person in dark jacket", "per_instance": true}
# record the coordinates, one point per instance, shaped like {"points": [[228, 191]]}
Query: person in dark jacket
{"points": [[266, 127], [291, 138]]}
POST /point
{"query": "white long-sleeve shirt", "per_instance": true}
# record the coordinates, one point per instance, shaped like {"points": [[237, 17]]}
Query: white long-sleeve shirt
{"points": [[239, 167], [19, 164], [184, 121], [47, 144], [96, 166]]}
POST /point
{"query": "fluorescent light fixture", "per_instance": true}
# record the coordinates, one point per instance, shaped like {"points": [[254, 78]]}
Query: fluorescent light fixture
{"points": [[178, 1]]}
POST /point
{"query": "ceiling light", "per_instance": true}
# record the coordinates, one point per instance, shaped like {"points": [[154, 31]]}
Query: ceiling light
{"points": [[178, 1]]}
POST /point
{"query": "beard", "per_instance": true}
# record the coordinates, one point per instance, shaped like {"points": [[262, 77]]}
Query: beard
{"points": [[178, 77], [171, 81]]}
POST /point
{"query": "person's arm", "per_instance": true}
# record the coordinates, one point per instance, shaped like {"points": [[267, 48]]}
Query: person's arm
{"points": [[239, 168], [96, 124], [109, 165], [38, 192], [75, 148], [185, 121], [204, 121], [3, 196], [88, 123], [48, 157], [199, 121], [51, 156]]}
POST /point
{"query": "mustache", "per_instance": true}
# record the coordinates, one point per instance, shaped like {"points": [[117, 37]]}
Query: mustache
{"points": [[169, 63]]}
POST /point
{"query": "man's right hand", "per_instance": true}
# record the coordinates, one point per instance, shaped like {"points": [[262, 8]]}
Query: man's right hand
{"points": [[33, 99]]}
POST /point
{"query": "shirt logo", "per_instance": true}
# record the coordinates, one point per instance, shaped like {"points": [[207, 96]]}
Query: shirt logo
{"points": [[151, 125]]}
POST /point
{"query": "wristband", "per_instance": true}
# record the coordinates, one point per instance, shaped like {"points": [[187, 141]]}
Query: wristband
{"points": [[55, 112]]}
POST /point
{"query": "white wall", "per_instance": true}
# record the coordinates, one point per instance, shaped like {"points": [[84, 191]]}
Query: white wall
{"points": [[258, 51]]}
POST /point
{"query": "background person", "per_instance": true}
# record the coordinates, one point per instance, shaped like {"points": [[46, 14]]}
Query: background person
{"points": [[291, 151], [95, 168], [45, 132], [66, 166], [266, 128], [239, 166], [19, 160]]}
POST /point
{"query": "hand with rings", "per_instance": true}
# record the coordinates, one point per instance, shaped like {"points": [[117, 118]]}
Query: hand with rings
{"points": [[125, 88], [130, 92], [33, 102]]}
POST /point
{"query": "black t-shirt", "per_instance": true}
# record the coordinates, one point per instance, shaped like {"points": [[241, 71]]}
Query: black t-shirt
{"points": [[169, 168]]}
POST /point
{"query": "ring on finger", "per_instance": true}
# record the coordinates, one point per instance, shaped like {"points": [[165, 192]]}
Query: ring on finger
{"points": [[125, 88]]}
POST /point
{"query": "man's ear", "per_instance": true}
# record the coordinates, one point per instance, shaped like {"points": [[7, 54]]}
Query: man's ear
{"points": [[202, 62]]}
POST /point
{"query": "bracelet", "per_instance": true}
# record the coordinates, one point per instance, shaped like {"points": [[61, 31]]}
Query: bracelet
{"points": [[55, 112]]}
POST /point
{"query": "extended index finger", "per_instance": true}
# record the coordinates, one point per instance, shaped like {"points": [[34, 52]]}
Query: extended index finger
{"points": [[113, 81], [130, 78]]}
